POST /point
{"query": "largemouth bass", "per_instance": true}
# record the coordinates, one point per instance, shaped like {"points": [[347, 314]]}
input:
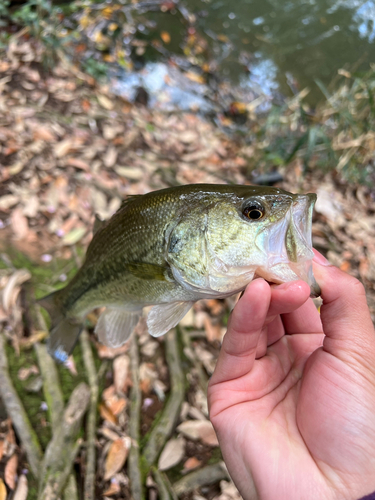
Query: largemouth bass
{"points": [[172, 247]]}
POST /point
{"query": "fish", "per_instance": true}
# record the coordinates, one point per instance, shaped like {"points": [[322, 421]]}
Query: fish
{"points": [[172, 247]]}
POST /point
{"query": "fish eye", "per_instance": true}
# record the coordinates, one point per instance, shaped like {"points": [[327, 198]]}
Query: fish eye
{"points": [[254, 210]]}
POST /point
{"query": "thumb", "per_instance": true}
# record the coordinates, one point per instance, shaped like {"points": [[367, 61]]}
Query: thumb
{"points": [[345, 315]]}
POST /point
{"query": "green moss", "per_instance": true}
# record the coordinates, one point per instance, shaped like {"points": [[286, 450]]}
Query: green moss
{"points": [[216, 456], [45, 277], [143, 440], [32, 493]]}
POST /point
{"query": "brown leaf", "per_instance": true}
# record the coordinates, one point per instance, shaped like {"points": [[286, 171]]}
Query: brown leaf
{"points": [[105, 352], [7, 201], [106, 414], [117, 455], [213, 331], [77, 163], [192, 463], [43, 133], [10, 472], [121, 374], [3, 490], [105, 102], [199, 429], [114, 489], [11, 289], [165, 36], [19, 223], [110, 157], [172, 454], [63, 147]]}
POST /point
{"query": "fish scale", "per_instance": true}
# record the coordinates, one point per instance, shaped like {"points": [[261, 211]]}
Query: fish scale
{"points": [[172, 247]]}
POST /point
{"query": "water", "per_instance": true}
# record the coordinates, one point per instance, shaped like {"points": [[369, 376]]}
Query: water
{"points": [[291, 43], [261, 47]]}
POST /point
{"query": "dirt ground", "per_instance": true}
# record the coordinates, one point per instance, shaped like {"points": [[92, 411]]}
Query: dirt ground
{"points": [[69, 149]]}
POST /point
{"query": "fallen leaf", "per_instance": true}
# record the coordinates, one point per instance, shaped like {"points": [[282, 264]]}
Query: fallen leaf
{"points": [[10, 291], [7, 201], [165, 36], [121, 374], [132, 173], [105, 102], [114, 489], [110, 157], [105, 352], [77, 163], [43, 134], [117, 455], [10, 472], [172, 454], [3, 490], [63, 147], [74, 236], [194, 77], [199, 430], [19, 223], [106, 414], [24, 373], [192, 463], [22, 489], [31, 207]]}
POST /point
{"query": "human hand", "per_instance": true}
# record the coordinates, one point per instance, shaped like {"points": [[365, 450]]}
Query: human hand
{"points": [[293, 408]]}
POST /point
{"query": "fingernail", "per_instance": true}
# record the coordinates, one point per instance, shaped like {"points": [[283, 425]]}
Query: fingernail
{"points": [[320, 259]]}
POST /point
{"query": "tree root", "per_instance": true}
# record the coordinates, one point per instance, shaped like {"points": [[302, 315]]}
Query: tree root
{"points": [[18, 415], [63, 447], [134, 471], [52, 393], [171, 412], [89, 492], [207, 475]]}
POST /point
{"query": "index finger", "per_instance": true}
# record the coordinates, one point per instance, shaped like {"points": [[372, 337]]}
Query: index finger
{"points": [[237, 354]]}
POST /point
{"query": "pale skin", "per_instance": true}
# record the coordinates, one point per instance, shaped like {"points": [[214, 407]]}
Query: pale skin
{"points": [[293, 408]]}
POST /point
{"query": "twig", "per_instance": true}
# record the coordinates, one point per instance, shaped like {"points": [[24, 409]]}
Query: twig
{"points": [[167, 422], [17, 413], [62, 449], [51, 385], [163, 492], [190, 354], [71, 490], [58, 478], [208, 475], [134, 471], [52, 392], [89, 493], [165, 489]]}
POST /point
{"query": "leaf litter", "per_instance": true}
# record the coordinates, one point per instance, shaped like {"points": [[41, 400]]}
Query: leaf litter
{"points": [[70, 149]]}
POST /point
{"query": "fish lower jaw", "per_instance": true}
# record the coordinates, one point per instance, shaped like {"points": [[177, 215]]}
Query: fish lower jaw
{"points": [[283, 273]]}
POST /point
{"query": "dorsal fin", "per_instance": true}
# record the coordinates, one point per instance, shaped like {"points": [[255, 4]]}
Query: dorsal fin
{"points": [[98, 224], [129, 199]]}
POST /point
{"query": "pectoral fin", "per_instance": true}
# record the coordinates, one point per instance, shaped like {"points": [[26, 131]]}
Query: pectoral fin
{"points": [[146, 271], [163, 317], [115, 326]]}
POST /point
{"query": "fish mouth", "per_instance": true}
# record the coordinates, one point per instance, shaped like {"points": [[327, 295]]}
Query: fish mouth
{"points": [[289, 245]]}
